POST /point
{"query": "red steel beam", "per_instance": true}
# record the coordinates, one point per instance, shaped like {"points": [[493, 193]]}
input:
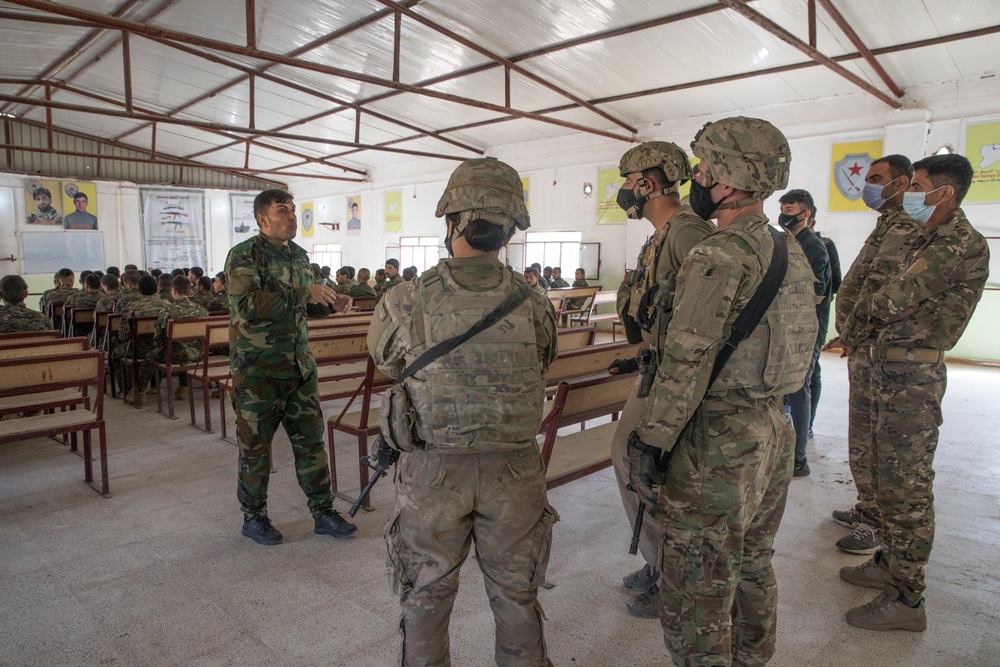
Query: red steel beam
{"points": [[811, 12], [252, 101], [396, 41], [251, 25], [865, 52], [127, 66], [48, 116], [770, 26]]}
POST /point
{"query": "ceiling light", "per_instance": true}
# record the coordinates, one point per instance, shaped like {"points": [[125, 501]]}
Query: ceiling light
{"points": [[587, 189]]}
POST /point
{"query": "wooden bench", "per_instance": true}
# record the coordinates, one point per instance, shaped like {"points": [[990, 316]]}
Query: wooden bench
{"points": [[211, 368], [595, 318], [589, 361], [364, 303], [337, 323], [18, 337], [186, 330], [34, 379], [576, 338], [561, 297], [54, 311], [45, 346], [577, 455], [61, 399]]}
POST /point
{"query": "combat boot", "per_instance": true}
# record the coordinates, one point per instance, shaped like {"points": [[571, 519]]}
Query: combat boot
{"points": [[259, 529], [331, 523], [871, 574], [888, 611], [863, 540], [643, 578], [646, 604]]}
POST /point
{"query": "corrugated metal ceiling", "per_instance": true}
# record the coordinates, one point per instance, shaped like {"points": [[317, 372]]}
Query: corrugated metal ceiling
{"points": [[318, 64]]}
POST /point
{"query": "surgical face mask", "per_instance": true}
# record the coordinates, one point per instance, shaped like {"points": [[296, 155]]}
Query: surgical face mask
{"points": [[913, 204], [788, 221], [631, 204], [701, 201], [872, 195]]}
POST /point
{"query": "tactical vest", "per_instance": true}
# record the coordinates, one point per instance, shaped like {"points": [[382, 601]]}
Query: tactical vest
{"points": [[488, 392], [774, 359]]}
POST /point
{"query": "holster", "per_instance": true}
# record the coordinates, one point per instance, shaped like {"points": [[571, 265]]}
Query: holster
{"points": [[397, 420]]}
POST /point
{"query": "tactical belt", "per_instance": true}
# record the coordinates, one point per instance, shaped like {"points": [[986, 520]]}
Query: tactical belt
{"points": [[918, 355]]}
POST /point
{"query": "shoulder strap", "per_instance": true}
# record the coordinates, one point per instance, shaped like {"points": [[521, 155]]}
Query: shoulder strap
{"points": [[513, 300], [758, 304]]}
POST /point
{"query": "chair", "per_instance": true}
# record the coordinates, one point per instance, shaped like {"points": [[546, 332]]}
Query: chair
{"points": [[211, 368], [142, 330], [187, 330], [107, 345]]}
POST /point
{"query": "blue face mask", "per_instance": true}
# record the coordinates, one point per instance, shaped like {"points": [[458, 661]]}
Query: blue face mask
{"points": [[872, 195], [913, 204]]}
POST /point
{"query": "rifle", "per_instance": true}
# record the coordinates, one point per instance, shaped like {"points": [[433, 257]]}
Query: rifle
{"points": [[385, 458], [633, 547]]}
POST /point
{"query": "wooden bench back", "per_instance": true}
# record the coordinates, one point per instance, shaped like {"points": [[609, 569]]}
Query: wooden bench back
{"points": [[605, 297], [48, 346], [364, 303], [18, 337], [592, 360], [588, 398], [192, 328], [573, 292], [574, 339], [47, 373], [339, 347]]}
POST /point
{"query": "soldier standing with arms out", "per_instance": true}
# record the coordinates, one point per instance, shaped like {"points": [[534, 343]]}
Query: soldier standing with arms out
{"points": [[270, 283], [653, 172], [466, 423], [717, 459], [887, 179], [916, 316]]}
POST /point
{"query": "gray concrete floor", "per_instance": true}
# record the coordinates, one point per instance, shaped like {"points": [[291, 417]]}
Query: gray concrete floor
{"points": [[159, 574]]}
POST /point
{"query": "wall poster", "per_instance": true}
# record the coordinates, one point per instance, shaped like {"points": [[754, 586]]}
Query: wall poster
{"points": [[849, 164], [173, 227], [982, 147]]}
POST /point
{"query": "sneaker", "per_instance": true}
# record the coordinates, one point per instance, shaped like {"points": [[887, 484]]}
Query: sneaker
{"points": [[863, 540], [889, 612], [643, 578], [646, 604], [847, 518], [801, 469], [259, 529], [869, 575], [333, 524]]}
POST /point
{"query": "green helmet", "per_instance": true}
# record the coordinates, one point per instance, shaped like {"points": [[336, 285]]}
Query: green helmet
{"points": [[749, 154], [670, 157], [485, 189]]}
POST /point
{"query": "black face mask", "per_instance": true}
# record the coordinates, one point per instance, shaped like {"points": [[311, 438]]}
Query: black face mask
{"points": [[788, 221], [631, 204], [701, 200]]}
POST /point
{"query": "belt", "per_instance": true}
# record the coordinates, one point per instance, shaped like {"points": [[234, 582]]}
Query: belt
{"points": [[712, 404], [918, 355]]}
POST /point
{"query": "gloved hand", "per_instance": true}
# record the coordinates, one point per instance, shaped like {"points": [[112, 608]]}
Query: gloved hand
{"points": [[623, 366], [647, 470], [382, 455]]}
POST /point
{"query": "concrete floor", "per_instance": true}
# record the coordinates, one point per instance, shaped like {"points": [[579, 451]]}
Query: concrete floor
{"points": [[159, 574]]}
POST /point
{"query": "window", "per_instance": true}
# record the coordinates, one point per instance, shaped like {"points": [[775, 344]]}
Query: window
{"points": [[560, 249], [419, 251], [326, 254]]}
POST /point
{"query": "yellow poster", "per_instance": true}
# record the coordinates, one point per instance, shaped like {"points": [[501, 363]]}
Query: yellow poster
{"points": [[982, 147], [79, 205], [307, 219], [526, 184], [43, 203], [849, 166], [608, 210], [394, 211]]}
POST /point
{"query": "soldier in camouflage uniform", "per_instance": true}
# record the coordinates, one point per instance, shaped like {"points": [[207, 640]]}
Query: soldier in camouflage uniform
{"points": [[270, 283], [148, 304], [531, 277], [345, 281], [129, 291], [915, 317], [110, 287], [57, 296], [165, 282], [392, 278], [717, 460], [363, 289], [471, 471], [180, 307], [85, 300], [653, 172], [201, 291], [878, 262], [14, 316]]}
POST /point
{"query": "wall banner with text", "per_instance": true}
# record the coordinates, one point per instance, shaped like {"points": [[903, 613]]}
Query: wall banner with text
{"points": [[394, 211], [982, 147], [173, 227], [242, 223]]}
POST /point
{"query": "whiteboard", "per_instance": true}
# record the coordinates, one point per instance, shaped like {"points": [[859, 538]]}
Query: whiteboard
{"points": [[47, 252]]}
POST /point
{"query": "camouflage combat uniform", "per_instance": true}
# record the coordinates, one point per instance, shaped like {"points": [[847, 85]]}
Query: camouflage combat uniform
{"points": [[274, 373], [383, 287], [889, 242], [541, 290], [728, 477], [362, 290], [55, 297], [106, 304], [167, 294], [345, 287], [85, 300], [183, 353], [127, 295], [216, 303], [559, 283], [17, 317], [476, 474], [144, 306], [915, 317], [656, 268]]}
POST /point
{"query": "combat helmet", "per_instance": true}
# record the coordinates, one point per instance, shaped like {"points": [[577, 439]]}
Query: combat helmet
{"points": [[749, 154], [663, 154], [485, 189]]}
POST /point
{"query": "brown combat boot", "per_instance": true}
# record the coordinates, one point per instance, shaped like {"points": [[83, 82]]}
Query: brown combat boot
{"points": [[888, 611]]}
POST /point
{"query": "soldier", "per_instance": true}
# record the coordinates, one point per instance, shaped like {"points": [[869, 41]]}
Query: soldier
{"points": [[717, 457], [270, 283], [653, 173], [796, 212], [887, 179], [129, 291], [547, 275], [218, 301], [392, 277], [180, 307], [15, 316], [345, 283], [109, 289], [85, 300], [165, 286], [557, 279], [65, 278], [201, 291], [541, 279], [531, 277], [194, 274], [471, 470], [362, 289], [147, 304], [379, 278], [916, 316]]}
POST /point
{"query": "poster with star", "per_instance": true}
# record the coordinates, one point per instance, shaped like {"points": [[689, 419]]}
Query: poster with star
{"points": [[849, 166]]}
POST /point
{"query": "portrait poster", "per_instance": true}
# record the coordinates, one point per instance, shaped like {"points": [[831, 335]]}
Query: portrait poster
{"points": [[43, 203], [307, 219], [79, 205], [354, 216], [982, 147], [173, 227], [394, 211], [526, 186], [242, 224], [849, 164], [608, 210]]}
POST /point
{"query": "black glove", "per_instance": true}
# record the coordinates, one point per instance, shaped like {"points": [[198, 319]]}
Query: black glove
{"points": [[624, 366], [647, 469]]}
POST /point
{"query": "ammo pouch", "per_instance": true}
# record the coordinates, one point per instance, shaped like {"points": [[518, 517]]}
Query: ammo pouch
{"points": [[397, 420]]}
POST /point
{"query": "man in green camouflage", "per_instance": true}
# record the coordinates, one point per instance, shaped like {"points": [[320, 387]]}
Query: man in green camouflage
{"points": [[165, 282], [15, 316], [179, 307], [270, 284], [129, 291], [392, 278], [362, 289], [471, 471], [148, 304], [57, 296], [717, 460], [83, 301], [218, 300], [345, 280], [653, 173], [110, 287], [916, 316], [878, 262]]}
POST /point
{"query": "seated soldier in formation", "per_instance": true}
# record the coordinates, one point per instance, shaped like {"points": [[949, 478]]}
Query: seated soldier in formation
{"points": [[182, 307], [147, 304], [218, 300], [557, 279], [345, 280], [164, 280], [531, 276], [85, 300], [129, 291], [579, 281], [58, 295], [14, 316], [362, 289], [110, 287], [201, 291]]}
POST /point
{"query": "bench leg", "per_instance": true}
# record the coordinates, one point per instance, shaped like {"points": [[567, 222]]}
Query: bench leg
{"points": [[206, 400], [88, 459], [170, 393], [102, 437], [194, 421]]}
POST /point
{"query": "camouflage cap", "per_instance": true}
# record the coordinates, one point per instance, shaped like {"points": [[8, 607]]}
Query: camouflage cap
{"points": [[749, 154], [485, 189], [670, 157]]}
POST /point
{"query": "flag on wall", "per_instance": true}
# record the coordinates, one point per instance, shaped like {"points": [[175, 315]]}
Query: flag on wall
{"points": [[982, 147], [849, 166], [526, 185], [307, 216], [394, 211], [608, 210]]}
